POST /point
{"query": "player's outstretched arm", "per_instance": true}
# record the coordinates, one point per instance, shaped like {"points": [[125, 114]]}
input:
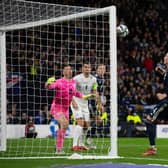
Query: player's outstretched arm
{"points": [[50, 81], [85, 97]]}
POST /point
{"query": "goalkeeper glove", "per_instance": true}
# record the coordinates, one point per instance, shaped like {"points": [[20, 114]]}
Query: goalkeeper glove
{"points": [[50, 80], [85, 97]]}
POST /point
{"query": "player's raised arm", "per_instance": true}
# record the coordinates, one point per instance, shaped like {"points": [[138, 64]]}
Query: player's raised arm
{"points": [[50, 83]]}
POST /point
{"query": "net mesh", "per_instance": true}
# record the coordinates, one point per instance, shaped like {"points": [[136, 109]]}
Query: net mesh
{"points": [[37, 53], [17, 12]]}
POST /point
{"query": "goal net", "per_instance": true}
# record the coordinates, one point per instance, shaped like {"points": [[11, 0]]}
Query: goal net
{"points": [[36, 41]]}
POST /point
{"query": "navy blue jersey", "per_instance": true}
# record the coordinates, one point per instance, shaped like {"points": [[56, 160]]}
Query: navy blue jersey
{"points": [[100, 83], [160, 110], [166, 82]]}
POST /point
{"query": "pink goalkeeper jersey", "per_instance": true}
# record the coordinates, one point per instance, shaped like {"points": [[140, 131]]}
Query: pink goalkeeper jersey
{"points": [[65, 90]]}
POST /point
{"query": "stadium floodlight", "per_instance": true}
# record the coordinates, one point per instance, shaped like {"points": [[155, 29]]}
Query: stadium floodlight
{"points": [[36, 40]]}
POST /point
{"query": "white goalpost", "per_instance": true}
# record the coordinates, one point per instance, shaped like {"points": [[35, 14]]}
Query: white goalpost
{"points": [[2, 92], [36, 40]]}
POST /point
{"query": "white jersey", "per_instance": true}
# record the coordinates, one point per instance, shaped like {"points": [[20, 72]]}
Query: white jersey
{"points": [[85, 86]]}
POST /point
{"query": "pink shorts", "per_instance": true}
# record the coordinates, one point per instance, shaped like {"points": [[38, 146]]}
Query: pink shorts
{"points": [[57, 111]]}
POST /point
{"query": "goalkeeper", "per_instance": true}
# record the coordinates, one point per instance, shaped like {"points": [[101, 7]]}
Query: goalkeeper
{"points": [[65, 90], [160, 112]]}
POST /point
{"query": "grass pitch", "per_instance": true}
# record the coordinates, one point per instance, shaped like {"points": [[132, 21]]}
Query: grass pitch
{"points": [[130, 149]]}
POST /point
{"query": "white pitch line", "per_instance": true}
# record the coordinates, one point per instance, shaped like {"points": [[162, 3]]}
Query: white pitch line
{"points": [[154, 159]]}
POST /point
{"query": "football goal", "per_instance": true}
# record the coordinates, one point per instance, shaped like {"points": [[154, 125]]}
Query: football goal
{"points": [[36, 41]]}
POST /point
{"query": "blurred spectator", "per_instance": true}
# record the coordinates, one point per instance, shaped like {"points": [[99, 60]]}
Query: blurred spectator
{"points": [[9, 118], [148, 63], [132, 120], [14, 115], [41, 115], [30, 130], [24, 118]]}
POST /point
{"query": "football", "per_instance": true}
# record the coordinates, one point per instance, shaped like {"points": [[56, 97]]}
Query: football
{"points": [[122, 30], [31, 130]]}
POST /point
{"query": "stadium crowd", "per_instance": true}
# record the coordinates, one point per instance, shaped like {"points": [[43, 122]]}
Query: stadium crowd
{"points": [[138, 55]]}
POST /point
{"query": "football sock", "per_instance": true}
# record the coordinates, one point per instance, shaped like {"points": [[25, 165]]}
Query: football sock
{"points": [[78, 131], [60, 139], [83, 137], [151, 131]]}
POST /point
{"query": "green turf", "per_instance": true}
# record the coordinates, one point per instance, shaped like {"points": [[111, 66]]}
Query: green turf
{"points": [[130, 148], [45, 147]]}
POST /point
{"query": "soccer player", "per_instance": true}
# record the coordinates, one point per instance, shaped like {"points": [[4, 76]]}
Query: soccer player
{"points": [[160, 111], [101, 100], [101, 69], [86, 83], [161, 96], [97, 105], [65, 90]]}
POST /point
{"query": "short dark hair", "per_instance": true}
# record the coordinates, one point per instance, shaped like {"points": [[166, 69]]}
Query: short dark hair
{"points": [[86, 62], [99, 65], [65, 65]]}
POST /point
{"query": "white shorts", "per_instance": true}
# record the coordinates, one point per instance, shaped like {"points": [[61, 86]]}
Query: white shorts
{"points": [[81, 113]]}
